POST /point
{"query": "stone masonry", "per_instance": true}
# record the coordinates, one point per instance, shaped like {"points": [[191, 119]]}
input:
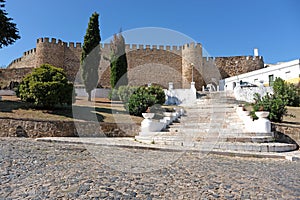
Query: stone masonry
{"points": [[33, 128], [146, 64]]}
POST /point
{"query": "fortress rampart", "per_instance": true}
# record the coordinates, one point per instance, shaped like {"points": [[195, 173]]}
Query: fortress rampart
{"points": [[163, 64]]}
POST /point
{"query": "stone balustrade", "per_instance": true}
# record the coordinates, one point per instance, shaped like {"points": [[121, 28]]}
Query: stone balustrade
{"points": [[262, 125], [150, 126]]}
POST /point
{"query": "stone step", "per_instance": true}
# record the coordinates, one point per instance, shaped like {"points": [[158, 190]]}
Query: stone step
{"points": [[162, 138], [251, 134], [212, 123], [216, 101], [221, 127], [194, 129], [219, 144], [212, 103], [241, 139], [253, 147], [211, 107], [193, 132], [211, 118]]}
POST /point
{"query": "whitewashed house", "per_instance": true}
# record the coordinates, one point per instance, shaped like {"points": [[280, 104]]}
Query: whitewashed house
{"points": [[288, 71]]}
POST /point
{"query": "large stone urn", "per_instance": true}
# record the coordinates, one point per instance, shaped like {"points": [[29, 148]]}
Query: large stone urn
{"points": [[263, 124]]}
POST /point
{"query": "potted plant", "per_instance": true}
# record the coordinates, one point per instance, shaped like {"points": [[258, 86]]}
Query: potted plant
{"points": [[148, 114], [261, 113]]}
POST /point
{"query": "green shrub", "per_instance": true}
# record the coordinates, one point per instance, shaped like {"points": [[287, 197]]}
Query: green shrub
{"points": [[113, 95], [286, 91], [46, 86], [271, 103], [124, 92], [139, 103], [143, 98], [285, 94], [158, 92]]}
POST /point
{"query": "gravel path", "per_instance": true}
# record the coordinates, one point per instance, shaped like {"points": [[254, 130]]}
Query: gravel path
{"points": [[40, 170]]}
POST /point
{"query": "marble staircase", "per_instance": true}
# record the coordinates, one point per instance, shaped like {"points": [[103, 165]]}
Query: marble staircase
{"points": [[212, 123]]}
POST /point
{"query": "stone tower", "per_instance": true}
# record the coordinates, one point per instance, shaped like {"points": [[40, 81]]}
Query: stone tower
{"points": [[192, 65], [49, 52]]}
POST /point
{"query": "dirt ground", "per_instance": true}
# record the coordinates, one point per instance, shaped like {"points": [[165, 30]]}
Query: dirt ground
{"points": [[105, 110]]}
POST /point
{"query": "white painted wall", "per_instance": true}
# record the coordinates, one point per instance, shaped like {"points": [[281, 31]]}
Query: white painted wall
{"points": [[96, 93], [289, 71]]}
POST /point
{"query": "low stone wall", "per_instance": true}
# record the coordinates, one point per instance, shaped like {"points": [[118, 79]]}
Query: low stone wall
{"points": [[10, 127], [291, 131]]}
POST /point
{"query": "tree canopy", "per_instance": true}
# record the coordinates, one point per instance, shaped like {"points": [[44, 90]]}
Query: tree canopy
{"points": [[46, 86], [118, 66], [8, 30], [90, 57]]}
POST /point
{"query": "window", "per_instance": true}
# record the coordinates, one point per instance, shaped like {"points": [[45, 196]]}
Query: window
{"points": [[288, 74], [271, 79]]}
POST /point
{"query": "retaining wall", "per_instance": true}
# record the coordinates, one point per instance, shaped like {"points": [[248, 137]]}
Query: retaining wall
{"points": [[290, 130], [10, 127]]}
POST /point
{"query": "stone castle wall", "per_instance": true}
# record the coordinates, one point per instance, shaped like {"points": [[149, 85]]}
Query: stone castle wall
{"points": [[146, 64], [236, 65], [54, 52], [157, 66], [192, 67], [12, 75], [28, 59]]}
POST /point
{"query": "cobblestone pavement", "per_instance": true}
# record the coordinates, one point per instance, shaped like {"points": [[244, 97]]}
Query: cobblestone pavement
{"points": [[39, 170]]}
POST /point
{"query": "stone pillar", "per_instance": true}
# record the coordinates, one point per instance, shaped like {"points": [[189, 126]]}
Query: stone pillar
{"points": [[171, 86], [193, 87]]}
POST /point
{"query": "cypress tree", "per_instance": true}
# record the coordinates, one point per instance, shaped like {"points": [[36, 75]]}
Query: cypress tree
{"points": [[8, 31], [118, 70], [90, 57]]}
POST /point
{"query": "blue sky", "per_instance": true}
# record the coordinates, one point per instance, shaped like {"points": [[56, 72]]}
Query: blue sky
{"points": [[223, 27]]}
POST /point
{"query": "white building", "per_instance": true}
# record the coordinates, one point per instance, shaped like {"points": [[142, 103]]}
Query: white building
{"points": [[288, 71]]}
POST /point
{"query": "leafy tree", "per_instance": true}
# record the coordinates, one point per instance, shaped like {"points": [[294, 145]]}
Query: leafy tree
{"points": [[8, 31], [90, 57], [46, 86], [118, 66]]}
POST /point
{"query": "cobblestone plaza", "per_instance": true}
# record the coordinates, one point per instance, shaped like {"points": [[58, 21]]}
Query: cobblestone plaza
{"points": [[41, 170]]}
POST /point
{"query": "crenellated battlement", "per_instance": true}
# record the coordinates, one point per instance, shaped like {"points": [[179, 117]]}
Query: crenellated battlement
{"points": [[191, 46], [67, 55], [55, 41], [128, 47], [31, 51], [242, 57], [139, 47], [15, 61], [233, 58], [26, 56]]}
